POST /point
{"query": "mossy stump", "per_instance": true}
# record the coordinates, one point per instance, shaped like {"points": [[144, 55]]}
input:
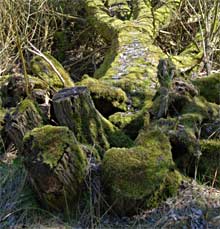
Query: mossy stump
{"points": [[25, 118], [56, 165], [73, 107], [139, 177]]}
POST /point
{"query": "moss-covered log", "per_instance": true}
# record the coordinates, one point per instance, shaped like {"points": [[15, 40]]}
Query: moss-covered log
{"points": [[131, 62], [57, 166], [47, 68]]}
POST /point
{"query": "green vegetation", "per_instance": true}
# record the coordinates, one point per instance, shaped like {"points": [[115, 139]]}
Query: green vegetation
{"points": [[107, 109], [51, 71], [61, 165], [209, 87]]}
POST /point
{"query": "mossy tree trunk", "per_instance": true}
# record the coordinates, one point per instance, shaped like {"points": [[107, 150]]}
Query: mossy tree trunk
{"points": [[131, 29], [56, 164], [73, 107]]}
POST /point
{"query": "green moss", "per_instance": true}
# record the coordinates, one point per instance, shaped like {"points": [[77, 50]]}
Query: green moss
{"points": [[200, 106], [26, 104], [154, 139], [119, 139], [132, 175], [37, 83], [209, 87], [2, 115], [42, 69], [169, 187], [57, 165], [132, 64], [51, 143], [210, 161], [130, 122], [103, 93], [116, 137]]}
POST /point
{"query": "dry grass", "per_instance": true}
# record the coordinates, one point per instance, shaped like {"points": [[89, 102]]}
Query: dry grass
{"points": [[196, 22], [35, 21]]}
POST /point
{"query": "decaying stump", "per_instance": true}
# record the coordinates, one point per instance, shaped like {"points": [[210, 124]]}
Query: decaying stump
{"points": [[73, 107], [25, 118], [56, 164]]}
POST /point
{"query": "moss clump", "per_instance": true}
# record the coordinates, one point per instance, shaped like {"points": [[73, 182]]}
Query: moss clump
{"points": [[51, 142], [200, 106], [107, 98], [115, 136], [26, 104], [209, 87], [169, 187], [44, 70], [131, 176], [130, 122], [154, 139], [56, 164], [210, 161]]}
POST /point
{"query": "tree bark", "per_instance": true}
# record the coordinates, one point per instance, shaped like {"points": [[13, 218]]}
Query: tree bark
{"points": [[56, 165], [73, 107], [25, 118]]}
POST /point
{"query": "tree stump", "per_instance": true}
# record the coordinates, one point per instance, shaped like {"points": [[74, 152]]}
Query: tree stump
{"points": [[56, 165], [73, 107], [25, 118]]}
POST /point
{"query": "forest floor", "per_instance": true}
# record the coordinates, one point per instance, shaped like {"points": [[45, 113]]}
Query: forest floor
{"points": [[196, 206]]}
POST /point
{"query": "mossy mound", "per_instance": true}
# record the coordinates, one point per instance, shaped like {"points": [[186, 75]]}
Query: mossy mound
{"points": [[154, 139], [132, 176], [200, 106], [107, 99], [209, 87], [209, 163], [56, 164], [51, 71]]}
